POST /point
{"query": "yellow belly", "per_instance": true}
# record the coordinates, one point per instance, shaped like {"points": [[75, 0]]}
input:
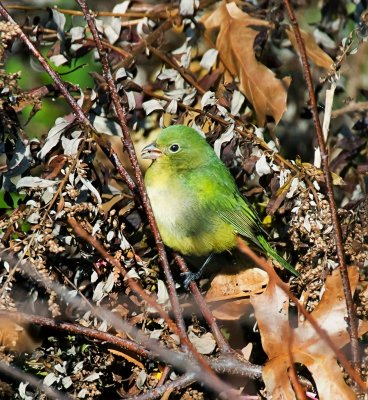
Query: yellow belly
{"points": [[201, 243], [183, 225]]}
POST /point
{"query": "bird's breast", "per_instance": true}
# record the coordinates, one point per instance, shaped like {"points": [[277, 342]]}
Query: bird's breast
{"points": [[166, 205], [184, 224]]}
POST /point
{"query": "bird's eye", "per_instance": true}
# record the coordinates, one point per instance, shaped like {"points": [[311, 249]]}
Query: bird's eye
{"points": [[174, 148]]}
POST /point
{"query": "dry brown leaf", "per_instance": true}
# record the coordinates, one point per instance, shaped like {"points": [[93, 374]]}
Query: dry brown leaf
{"points": [[314, 52], [14, 336], [237, 283], [229, 294], [317, 174], [231, 310], [235, 40], [306, 346]]}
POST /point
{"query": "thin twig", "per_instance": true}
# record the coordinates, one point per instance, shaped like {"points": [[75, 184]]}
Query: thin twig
{"points": [[76, 329], [132, 283], [352, 319], [134, 14], [299, 391], [159, 391], [128, 144], [217, 383], [141, 46], [174, 64], [352, 107], [206, 312]]}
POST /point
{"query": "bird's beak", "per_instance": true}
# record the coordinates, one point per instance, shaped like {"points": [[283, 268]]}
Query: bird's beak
{"points": [[151, 152]]}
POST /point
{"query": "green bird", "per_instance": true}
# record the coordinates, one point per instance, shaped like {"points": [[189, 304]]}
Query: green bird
{"points": [[197, 205]]}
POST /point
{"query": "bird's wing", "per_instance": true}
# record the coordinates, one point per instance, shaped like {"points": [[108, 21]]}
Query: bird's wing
{"points": [[216, 190], [243, 219]]}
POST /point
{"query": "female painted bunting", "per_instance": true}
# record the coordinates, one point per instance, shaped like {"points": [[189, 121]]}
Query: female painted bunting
{"points": [[197, 205]]}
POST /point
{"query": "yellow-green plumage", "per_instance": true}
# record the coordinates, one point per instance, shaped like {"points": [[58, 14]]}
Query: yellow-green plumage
{"points": [[196, 203]]}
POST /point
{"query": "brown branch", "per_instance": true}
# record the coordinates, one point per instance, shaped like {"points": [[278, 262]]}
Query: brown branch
{"points": [[352, 319], [132, 283], [206, 312], [159, 391], [352, 107], [298, 389], [224, 364], [76, 329], [134, 14], [216, 382], [321, 332], [137, 171]]}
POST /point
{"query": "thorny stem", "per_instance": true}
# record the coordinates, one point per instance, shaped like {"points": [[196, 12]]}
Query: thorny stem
{"points": [[206, 312], [352, 319], [321, 332]]}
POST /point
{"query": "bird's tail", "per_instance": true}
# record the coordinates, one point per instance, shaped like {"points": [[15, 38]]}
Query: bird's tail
{"points": [[272, 253]]}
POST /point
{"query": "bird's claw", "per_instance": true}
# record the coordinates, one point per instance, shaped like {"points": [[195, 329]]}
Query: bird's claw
{"points": [[188, 278]]}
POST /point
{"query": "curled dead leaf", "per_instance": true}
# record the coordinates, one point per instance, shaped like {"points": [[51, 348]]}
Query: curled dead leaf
{"points": [[314, 52], [235, 43], [229, 294]]}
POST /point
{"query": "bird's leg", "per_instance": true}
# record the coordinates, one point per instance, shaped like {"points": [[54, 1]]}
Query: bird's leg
{"points": [[193, 276]]}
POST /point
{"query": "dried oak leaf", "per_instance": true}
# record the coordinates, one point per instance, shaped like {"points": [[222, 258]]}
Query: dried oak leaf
{"points": [[235, 41], [314, 52], [229, 294], [306, 346]]}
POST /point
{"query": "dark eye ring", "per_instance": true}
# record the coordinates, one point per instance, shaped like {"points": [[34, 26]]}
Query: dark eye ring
{"points": [[174, 148]]}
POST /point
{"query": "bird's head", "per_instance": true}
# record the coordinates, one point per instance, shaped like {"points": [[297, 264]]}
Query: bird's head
{"points": [[181, 146]]}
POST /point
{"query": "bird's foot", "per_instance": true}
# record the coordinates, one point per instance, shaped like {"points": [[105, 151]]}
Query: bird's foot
{"points": [[189, 277]]}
